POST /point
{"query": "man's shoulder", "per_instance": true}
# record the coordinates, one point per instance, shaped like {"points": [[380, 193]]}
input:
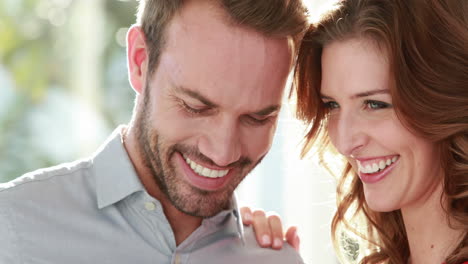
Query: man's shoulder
{"points": [[43, 180], [267, 255], [233, 250]]}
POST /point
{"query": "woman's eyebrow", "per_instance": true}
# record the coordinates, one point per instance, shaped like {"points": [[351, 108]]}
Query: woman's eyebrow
{"points": [[359, 95]]}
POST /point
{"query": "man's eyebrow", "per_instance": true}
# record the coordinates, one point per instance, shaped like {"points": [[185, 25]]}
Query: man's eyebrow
{"points": [[263, 112], [196, 95], [359, 95], [268, 110]]}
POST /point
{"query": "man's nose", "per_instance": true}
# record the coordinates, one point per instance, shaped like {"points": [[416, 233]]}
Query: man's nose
{"points": [[222, 143], [348, 133]]}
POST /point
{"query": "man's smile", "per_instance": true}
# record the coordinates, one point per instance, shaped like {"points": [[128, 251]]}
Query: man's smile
{"points": [[204, 171]]}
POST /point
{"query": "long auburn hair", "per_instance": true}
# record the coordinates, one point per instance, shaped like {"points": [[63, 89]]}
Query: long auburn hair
{"points": [[427, 46]]}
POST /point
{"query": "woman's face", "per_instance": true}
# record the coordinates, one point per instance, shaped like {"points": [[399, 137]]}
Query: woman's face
{"points": [[397, 168]]}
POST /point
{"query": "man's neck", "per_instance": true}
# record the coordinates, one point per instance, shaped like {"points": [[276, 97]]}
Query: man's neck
{"points": [[182, 224], [430, 238]]}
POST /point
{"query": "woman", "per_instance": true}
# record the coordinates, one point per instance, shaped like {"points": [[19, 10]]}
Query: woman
{"points": [[386, 83]]}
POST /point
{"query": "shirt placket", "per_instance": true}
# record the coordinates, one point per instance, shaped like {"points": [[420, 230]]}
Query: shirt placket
{"points": [[176, 258], [163, 232], [148, 218]]}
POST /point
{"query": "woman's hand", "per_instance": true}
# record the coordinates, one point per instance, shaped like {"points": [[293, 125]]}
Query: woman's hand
{"points": [[269, 229]]}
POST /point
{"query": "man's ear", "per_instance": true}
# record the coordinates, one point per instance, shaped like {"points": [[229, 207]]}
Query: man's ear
{"points": [[137, 58]]}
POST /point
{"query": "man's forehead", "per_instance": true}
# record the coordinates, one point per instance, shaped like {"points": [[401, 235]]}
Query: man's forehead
{"points": [[229, 66], [207, 21], [200, 15]]}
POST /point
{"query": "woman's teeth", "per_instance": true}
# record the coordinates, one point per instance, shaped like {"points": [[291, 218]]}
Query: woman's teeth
{"points": [[377, 166], [205, 172]]}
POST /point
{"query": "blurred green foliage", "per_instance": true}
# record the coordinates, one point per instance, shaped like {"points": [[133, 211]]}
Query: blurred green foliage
{"points": [[37, 101]]}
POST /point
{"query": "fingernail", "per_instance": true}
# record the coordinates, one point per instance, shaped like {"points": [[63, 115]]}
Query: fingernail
{"points": [[248, 217], [266, 240], [277, 243], [297, 241]]}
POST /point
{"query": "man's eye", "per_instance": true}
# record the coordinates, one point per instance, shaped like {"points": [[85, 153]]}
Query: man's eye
{"points": [[330, 105], [190, 109], [259, 121], [375, 105]]}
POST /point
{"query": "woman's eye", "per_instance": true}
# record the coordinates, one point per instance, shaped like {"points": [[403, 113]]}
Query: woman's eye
{"points": [[330, 105], [374, 105]]}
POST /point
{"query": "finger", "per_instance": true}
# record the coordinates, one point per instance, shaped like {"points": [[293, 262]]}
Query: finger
{"points": [[276, 229], [246, 215], [293, 238], [262, 228]]}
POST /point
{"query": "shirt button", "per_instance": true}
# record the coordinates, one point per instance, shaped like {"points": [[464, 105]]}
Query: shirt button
{"points": [[150, 206], [177, 259]]}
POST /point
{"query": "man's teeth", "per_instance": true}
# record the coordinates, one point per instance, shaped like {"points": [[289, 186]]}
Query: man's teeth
{"points": [[205, 172], [375, 167]]}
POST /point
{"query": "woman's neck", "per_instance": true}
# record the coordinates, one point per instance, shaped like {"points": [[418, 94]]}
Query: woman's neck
{"points": [[430, 238]]}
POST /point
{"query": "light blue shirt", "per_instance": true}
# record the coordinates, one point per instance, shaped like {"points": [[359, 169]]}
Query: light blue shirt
{"points": [[96, 211]]}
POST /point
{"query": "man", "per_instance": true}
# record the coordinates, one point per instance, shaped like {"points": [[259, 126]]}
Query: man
{"points": [[209, 78]]}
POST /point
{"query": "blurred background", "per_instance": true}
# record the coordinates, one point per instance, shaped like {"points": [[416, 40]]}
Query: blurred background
{"points": [[64, 88]]}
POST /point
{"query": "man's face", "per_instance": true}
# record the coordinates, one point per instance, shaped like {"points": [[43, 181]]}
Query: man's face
{"points": [[208, 113]]}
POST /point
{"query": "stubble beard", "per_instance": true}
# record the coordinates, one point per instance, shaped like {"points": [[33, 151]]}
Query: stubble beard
{"points": [[156, 156]]}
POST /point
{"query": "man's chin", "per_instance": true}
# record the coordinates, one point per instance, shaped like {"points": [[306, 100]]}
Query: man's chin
{"points": [[202, 207]]}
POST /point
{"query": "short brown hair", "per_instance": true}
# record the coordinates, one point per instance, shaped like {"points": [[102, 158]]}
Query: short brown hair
{"points": [[426, 42], [278, 18]]}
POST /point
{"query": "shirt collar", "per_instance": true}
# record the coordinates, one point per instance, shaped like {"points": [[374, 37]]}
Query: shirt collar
{"points": [[115, 175], [230, 217], [116, 179]]}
